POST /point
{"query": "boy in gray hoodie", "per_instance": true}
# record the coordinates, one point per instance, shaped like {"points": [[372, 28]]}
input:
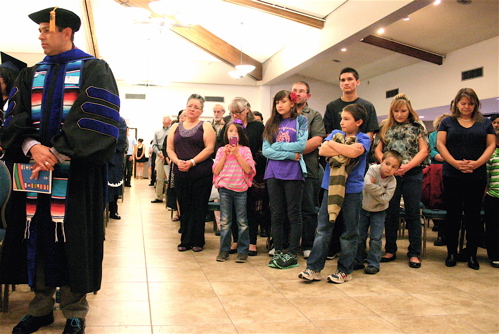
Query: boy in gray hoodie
{"points": [[379, 186]]}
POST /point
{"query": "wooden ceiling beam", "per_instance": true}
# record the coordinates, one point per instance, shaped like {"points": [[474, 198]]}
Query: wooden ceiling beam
{"points": [[218, 48], [404, 49], [207, 41], [92, 44], [281, 12]]}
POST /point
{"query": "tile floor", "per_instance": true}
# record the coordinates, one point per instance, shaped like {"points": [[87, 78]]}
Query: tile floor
{"points": [[149, 287]]}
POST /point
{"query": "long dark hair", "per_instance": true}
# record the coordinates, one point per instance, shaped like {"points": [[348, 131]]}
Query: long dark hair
{"points": [[243, 138], [272, 125]]}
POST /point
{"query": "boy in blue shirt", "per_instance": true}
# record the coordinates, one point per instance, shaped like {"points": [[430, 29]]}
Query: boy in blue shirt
{"points": [[352, 118]]}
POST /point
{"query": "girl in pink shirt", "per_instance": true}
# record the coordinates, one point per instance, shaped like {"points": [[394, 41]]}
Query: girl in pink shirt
{"points": [[233, 172]]}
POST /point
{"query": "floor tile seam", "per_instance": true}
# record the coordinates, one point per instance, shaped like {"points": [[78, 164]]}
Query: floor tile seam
{"points": [[146, 268], [428, 316], [461, 318], [470, 298]]}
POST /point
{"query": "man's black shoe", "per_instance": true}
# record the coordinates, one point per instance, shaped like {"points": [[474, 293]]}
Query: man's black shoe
{"points": [[114, 216], [74, 326], [157, 201], [30, 324]]}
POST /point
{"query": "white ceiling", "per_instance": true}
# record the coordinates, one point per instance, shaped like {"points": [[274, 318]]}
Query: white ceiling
{"points": [[147, 52]]}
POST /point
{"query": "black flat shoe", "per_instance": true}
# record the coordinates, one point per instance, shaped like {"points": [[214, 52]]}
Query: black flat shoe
{"points": [[197, 249], [115, 216], [439, 242], [414, 264], [473, 263], [30, 324], [388, 259], [182, 248], [450, 261], [74, 326], [232, 251], [253, 253]]}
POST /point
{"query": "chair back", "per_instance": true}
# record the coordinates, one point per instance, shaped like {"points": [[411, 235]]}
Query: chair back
{"points": [[5, 189]]}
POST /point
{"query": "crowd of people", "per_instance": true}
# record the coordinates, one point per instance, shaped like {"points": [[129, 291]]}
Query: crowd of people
{"points": [[315, 186]]}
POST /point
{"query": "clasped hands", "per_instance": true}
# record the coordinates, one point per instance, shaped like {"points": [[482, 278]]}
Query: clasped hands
{"points": [[466, 166], [44, 159]]}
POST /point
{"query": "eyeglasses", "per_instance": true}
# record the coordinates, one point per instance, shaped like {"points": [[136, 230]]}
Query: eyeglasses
{"points": [[237, 112], [194, 107]]}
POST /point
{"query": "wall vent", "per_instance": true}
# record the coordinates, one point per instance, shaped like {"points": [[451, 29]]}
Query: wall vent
{"points": [[471, 74], [391, 93], [135, 96], [220, 99]]}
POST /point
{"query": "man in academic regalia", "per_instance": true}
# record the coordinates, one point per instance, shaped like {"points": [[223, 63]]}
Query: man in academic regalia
{"points": [[63, 114]]}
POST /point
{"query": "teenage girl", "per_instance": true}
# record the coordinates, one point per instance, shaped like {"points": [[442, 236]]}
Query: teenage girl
{"points": [[403, 132], [233, 172], [284, 139]]}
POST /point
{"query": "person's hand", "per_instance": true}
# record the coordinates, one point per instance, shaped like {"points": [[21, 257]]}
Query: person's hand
{"points": [[468, 166], [131, 158], [402, 170], [44, 159], [465, 166], [160, 154], [297, 157], [373, 180], [235, 149], [184, 165]]}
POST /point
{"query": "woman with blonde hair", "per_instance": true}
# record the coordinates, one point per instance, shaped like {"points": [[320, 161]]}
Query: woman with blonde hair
{"points": [[404, 132]]}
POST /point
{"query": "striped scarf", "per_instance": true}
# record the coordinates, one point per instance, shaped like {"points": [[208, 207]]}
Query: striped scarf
{"points": [[340, 166]]}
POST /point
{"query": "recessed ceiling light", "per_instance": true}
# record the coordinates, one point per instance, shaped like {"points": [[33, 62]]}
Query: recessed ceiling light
{"points": [[343, 49], [406, 18], [381, 30], [437, 2]]}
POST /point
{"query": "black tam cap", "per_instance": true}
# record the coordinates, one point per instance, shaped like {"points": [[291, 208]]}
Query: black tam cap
{"points": [[12, 63], [63, 18]]}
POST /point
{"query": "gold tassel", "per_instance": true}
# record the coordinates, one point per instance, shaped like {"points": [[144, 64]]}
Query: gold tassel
{"points": [[52, 20]]}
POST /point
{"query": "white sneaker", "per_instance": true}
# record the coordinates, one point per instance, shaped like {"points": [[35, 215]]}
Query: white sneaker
{"points": [[310, 275], [306, 253], [272, 252], [332, 257], [339, 277]]}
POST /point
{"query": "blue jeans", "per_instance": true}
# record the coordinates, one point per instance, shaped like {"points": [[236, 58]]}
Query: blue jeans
{"points": [[376, 222], [285, 202], [237, 199], [410, 186], [348, 239]]}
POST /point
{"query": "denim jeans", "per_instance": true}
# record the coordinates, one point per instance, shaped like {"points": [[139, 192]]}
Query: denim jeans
{"points": [[228, 200], [410, 187], [348, 239], [285, 201], [309, 210], [375, 223]]}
